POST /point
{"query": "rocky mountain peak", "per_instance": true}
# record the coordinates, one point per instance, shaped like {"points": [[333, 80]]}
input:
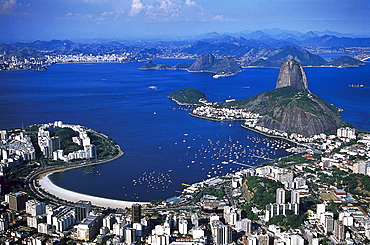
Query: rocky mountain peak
{"points": [[292, 74], [209, 63]]}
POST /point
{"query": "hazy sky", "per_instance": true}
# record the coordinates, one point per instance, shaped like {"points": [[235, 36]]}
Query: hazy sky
{"points": [[29, 20]]}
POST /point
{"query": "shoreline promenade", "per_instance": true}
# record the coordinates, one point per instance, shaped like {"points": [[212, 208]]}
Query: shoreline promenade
{"points": [[42, 178]]}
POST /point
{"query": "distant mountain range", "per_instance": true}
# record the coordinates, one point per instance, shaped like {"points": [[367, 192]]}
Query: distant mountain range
{"points": [[267, 48], [305, 58], [224, 44]]}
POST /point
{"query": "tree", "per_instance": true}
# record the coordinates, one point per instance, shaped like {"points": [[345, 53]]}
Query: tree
{"points": [[65, 136]]}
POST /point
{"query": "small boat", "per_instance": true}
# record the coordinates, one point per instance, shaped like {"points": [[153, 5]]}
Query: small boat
{"points": [[356, 86]]}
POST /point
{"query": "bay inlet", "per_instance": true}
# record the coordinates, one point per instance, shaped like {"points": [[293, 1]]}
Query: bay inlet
{"points": [[164, 146]]}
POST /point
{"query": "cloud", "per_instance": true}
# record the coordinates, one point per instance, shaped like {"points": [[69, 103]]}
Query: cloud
{"points": [[218, 17], [136, 7], [190, 3], [143, 11], [8, 6], [168, 10], [88, 16], [106, 16]]}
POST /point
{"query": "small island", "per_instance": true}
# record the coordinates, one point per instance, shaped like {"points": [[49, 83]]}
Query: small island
{"points": [[150, 65], [346, 61], [221, 67], [188, 96]]}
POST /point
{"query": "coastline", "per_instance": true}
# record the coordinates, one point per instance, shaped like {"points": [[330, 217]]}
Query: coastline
{"points": [[267, 135], [215, 119], [180, 103], [243, 126], [43, 180], [72, 196]]}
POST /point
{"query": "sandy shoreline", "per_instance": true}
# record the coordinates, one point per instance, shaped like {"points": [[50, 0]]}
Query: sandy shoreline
{"points": [[72, 196]]}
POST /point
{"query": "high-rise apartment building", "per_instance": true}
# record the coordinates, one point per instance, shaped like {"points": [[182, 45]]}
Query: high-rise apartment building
{"points": [[82, 210], [130, 235], [17, 201], [346, 133], [295, 197], [280, 196], [339, 231], [35, 208], [89, 228], [222, 234], [136, 213], [90, 151], [328, 223]]}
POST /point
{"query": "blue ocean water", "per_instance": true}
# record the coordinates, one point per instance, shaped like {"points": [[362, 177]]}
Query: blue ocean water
{"points": [[164, 146]]}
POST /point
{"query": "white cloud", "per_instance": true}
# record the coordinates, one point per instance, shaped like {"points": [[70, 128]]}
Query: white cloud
{"points": [[149, 11], [13, 7], [169, 10], [190, 3], [79, 16], [219, 17], [7, 6], [136, 7]]}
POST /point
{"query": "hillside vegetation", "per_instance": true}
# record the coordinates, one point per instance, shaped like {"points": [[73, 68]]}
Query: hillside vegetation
{"points": [[188, 96], [292, 110]]}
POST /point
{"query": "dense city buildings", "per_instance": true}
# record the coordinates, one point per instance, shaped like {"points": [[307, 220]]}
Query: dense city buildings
{"points": [[15, 148], [50, 145], [306, 199]]}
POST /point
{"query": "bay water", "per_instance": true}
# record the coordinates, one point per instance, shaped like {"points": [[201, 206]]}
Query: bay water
{"points": [[164, 146]]}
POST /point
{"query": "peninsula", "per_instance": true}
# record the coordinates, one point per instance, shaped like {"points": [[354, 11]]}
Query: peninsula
{"points": [[291, 108], [34, 152]]}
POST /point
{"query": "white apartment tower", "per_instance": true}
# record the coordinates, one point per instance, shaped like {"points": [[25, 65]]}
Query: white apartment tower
{"points": [[35, 208], [280, 196], [295, 197], [347, 132], [183, 225]]}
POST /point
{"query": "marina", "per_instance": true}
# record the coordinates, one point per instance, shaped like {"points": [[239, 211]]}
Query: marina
{"points": [[215, 158]]}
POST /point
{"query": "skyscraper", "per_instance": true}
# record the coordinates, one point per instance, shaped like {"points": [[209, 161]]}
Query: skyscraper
{"points": [[280, 196], [90, 151], [183, 226], [328, 223], [339, 231], [82, 210], [295, 197], [17, 201], [136, 213], [130, 235]]}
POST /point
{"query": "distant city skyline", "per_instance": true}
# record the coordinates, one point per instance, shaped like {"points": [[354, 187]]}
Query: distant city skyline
{"points": [[26, 20]]}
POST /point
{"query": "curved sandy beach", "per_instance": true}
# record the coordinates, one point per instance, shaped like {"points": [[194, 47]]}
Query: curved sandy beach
{"points": [[72, 196]]}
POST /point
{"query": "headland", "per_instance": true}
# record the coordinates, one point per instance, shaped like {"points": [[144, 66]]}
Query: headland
{"points": [[38, 180]]}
